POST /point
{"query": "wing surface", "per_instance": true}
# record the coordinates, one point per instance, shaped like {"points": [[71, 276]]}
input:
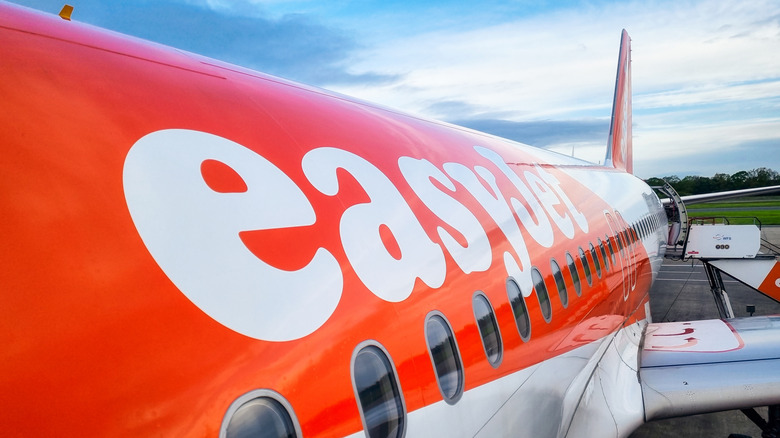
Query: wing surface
{"points": [[716, 196], [696, 367]]}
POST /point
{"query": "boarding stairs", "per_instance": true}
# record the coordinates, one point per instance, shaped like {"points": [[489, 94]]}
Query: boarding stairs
{"points": [[736, 250]]}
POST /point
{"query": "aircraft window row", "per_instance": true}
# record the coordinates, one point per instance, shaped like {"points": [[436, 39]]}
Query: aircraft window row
{"points": [[260, 413], [445, 357], [376, 386], [374, 377], [645, 227], [488, 329]]}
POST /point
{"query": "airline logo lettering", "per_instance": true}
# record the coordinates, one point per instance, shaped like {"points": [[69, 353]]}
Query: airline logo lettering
{"points": [[194, 197]]}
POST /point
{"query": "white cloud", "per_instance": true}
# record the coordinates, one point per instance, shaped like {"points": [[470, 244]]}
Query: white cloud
{"points": [[708, 94], [561, 66]]}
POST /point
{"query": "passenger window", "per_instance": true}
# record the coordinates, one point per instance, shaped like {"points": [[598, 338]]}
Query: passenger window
{"points": [[619, 240], [559, 283], [586, 266], [603, 254], [445, 357], [260, 413], [541, 294], [519, 309], [595, 259], [376, 386], [488, 329], [611, 249], [575, 276]]}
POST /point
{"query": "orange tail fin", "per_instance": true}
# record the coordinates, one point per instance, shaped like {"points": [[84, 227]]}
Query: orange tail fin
{"points": [[619, 153]]}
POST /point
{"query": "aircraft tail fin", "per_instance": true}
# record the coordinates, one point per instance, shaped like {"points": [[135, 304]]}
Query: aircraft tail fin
{"points": [[619, 151]]}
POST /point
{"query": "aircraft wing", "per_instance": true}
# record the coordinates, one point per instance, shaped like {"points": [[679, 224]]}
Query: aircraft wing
{"points": [[697, 367], [717, 196]]}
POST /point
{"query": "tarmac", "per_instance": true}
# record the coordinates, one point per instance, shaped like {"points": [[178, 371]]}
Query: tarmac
{"points": [[681, 292]]}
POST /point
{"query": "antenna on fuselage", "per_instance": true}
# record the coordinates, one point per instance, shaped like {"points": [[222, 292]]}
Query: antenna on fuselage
{"points": [[66, 12]]}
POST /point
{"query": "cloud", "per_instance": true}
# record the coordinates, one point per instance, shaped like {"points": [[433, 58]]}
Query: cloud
{"points": [[685, 148], [543, 133], [706, 84], [709, 94], [741, 156], [293, 46]]}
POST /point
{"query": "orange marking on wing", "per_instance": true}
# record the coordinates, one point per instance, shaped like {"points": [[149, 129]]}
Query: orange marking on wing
{"points": [[690, 342], [687, 331]]}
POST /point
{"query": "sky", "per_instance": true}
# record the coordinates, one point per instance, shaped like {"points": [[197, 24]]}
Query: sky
{"points": [[706, 73]]}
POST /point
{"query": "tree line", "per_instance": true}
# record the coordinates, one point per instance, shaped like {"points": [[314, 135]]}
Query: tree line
{"points": [[744, 179]]}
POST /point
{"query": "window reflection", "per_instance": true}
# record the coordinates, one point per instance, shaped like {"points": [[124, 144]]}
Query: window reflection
{"points": [[261, 417], [619, 240], [380, 398], [488, 328], [586, 266], [611, 249], [444, 354], [595, 259], [518, 308], [575, 276], [604, 254], [541, 293], [559, 283]]}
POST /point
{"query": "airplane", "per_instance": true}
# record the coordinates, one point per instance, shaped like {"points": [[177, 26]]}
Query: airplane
{"points": [[192, 248]]}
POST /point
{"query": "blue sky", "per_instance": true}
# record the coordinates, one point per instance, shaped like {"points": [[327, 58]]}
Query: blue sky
{"points": [[706, 74]]}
